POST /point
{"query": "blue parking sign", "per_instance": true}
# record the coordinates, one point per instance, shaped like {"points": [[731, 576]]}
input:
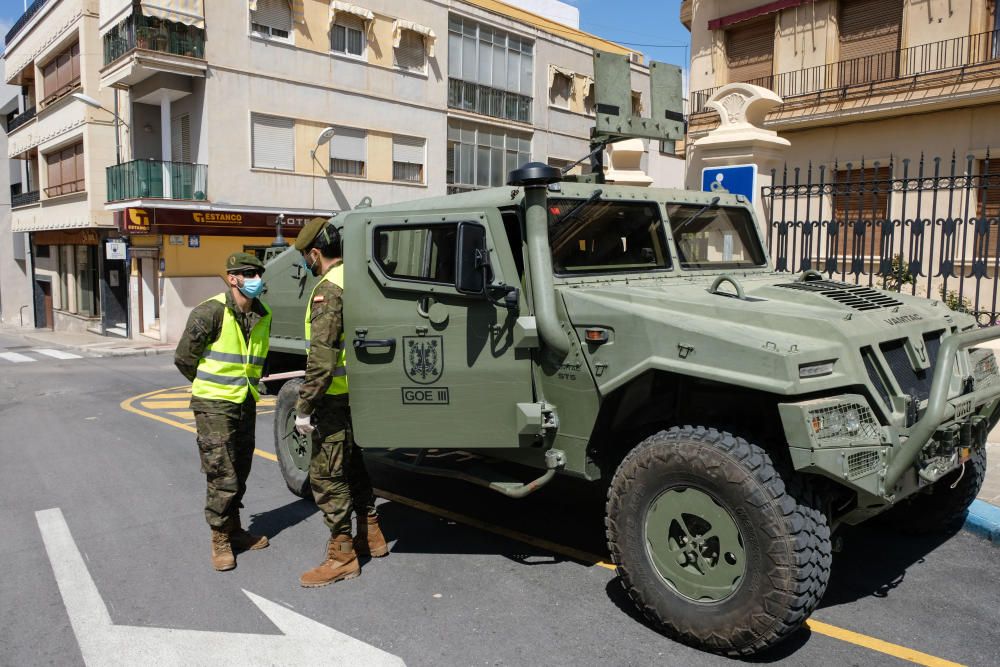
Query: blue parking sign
{"points": [[737, 179]]}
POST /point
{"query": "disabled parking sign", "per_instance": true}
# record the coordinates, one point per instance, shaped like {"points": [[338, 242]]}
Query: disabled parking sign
{"points": [[737, 179]]}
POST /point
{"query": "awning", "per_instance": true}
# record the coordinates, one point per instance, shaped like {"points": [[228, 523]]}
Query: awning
{"points": [[399, 25], [554, 70], [188, 12], [747, 14], [113, 12], [588, 82], [298, 13], [347, 8]]}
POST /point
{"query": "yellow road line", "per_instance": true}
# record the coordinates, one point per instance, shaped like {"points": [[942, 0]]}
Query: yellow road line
{"points": [[895, 650], [844, 635], [183, 414], [175, 395], [165, 405]]}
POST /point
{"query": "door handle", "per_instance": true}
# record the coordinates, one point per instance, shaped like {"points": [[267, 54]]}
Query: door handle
{"points": [[364, 343]]}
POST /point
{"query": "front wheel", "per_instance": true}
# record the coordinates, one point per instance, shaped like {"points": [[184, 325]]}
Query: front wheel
{"points": [[709, 543], [294, 451]]}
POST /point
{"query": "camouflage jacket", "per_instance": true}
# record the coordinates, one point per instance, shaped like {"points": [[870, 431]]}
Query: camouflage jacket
{"points": [[203, 327], [327, 325]]}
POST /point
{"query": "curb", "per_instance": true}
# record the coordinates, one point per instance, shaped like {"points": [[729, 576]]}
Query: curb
{"points": [[104, 350], [984, 520]]}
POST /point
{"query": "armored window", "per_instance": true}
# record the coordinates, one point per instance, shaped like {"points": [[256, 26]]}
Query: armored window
{"points": [[606, 237], [348, 150], [750, 51], [273, 142], [272, 19], [408, 159], [347, 35], [423, 253], [869, 40], [724, 237]]}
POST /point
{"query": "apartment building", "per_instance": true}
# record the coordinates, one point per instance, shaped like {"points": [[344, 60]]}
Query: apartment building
{"points": [[157, 137], [870, 87], [15, 289]]}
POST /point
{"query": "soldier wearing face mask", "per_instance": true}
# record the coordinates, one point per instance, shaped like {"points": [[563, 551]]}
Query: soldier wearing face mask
{"points": [[222, 353]]}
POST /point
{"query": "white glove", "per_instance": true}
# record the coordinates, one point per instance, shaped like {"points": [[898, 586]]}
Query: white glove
{"points": [[303, 424]]}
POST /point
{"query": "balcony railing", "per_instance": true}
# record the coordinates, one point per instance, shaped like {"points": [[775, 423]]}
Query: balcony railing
{"points": [[959, 53], [155, 179], [492, 102], [24, 198], [141, 32], [25, 18], [20, 119]]}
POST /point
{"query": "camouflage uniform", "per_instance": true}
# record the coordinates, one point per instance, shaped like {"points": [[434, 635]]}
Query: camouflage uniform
{"points": [[337, 471], [225, 430]]}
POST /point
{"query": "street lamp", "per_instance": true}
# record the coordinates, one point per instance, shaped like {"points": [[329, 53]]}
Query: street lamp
{"points": [[323, 138], [91, 102]]}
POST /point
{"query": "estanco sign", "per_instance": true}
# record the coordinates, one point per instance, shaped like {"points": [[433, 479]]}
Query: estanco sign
{"points": [[218, 223]]}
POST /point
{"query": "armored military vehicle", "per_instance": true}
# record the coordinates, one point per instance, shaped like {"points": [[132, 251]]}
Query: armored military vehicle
{"points": [[639, 338]]}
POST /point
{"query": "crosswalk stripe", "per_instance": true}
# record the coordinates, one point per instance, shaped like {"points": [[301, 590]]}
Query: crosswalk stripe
{"points": [[16, 357], [58, 354]]}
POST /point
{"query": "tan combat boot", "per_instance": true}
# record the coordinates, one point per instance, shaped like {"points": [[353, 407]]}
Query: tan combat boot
{"points": [[341, 563], [222, 552], [370, 541], [243, 540]]}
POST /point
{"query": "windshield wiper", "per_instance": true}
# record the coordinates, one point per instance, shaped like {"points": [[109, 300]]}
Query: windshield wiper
{"points": [[594, 196], [712, 204]]}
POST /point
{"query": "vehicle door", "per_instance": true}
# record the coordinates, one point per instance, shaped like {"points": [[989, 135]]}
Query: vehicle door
{"points": [[429, 366]]}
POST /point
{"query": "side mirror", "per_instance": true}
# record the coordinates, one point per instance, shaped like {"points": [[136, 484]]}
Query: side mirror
{"points": [[472, 263]]}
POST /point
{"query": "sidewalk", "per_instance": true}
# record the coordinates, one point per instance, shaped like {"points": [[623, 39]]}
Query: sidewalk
{"points": [[107, 346]]}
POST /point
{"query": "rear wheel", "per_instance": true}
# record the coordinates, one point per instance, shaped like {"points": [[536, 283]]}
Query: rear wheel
{"points": [[942, 509], [294, 451], [709, 543]]}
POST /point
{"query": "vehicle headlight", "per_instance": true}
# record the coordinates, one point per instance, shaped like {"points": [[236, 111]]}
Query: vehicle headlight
{"points": [[852, 421], [845, 420]]}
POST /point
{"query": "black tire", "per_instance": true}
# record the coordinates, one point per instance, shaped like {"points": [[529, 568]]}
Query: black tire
{"points": [[293, 451], [786, 543], [941, 509]]}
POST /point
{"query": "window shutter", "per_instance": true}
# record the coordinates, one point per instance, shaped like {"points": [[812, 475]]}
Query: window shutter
{"points": [[180, 138], [988, 201], [79, 167], [53, 163], [348, 144], [273, 142], [410, 52], [274, 14], [750, 50], [408, 149], [869, 27], [50, 79], [856, 199]]}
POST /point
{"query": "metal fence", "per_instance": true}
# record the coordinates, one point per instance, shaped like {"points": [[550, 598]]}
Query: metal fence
{"points": [[926, 226]]}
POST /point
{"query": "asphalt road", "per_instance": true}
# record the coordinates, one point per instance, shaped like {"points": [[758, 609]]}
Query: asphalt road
{"points": [[131, 493]]}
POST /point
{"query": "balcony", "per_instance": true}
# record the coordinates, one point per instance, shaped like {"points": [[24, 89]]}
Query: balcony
{"points": [[155, 179], [24, 20], [141, 47], [487, 101], [20, 119], [24, 199], [944, 65]]}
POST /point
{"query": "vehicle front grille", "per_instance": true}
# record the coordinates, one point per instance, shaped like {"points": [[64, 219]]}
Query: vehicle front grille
{"points": [[871, 365], [862, 463], [911, 382], [853, 296]]}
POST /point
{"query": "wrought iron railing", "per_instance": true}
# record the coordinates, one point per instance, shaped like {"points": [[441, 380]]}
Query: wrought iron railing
{"points": [[142, 32], [24, 198], [943, 56], [488, 101], [928, 228], [156, 179], [28, 14], [20, 119]]}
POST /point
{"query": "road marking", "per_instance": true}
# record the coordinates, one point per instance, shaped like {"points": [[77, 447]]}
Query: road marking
{"points": [[166, 405], [832, 631], [16, 357], [58, 354], [303, 641]]}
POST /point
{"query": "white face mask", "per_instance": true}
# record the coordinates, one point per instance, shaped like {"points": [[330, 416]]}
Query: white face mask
{"points": [[252, 287]]}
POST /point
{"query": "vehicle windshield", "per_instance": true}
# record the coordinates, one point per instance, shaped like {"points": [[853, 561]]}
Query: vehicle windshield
{"points": [[724, 237], [606, 237]]}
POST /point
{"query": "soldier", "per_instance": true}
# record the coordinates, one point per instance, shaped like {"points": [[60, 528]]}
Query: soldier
{"points": [[222, 353], [337, 471]]}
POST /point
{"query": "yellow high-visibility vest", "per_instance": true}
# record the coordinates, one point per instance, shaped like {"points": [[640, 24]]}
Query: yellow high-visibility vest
{"points": [[338, 385], [231, 366]]}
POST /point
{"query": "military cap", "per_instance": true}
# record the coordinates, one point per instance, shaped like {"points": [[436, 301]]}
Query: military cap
{"points": [[239, 261], [315, 227]]}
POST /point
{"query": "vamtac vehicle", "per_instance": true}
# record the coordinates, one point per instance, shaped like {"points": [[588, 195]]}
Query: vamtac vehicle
{"points": [[639, 338]]}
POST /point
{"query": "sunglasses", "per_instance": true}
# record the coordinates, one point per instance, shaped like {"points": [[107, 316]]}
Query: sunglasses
{"points": [[248, 273]]}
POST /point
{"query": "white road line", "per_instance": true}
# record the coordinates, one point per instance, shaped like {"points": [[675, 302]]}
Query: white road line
{"points": [[16, 357], [58, 354]]}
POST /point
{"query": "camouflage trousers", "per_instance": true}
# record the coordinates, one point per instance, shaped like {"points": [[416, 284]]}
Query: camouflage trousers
{"points": [[337, 470], [226, 444]]}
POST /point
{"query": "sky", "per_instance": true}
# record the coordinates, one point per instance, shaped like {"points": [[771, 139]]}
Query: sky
{"points": [[650, 26]]}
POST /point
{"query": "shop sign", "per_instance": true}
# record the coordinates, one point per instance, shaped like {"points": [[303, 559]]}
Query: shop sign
{"points": [[176, 239], [178, 222], [138, 221], [115, 250]]}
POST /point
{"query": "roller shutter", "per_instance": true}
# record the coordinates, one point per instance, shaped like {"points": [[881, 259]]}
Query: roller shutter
{"points": [[273, 142], [869, 30], [750, 50], [862, 195]]}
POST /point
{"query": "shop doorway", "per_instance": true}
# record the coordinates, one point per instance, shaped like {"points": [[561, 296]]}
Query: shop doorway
{"points": [[43, 303], [149, 297]]}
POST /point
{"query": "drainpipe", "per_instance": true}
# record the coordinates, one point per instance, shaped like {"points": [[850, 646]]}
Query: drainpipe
{"points": [[535, 177]]}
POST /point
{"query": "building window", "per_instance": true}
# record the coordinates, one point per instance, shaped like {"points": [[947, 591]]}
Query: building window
{"points": [[490, 71], [988, 204], [408, 159], [43, 251], [348, 151], [65, 171], [750, 51], [410, 55], [272, 19], [636, 103], [347, 35], [869, 40], [61, 74], [862, 195], [560, 87], [588, 100], [480, 156], [273, 142]]}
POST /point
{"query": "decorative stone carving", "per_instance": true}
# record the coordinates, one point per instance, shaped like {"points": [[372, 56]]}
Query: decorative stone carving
{"points": [[742, 108]]}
